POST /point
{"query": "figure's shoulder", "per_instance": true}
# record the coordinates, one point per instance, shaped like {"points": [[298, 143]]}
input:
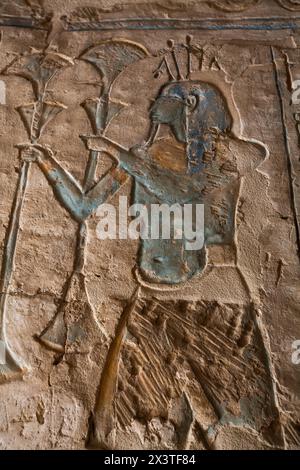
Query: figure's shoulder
{"points": [[169, 154], [248, 154]]}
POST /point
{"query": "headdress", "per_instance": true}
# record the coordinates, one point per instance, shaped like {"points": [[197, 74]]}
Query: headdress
{"points": [[207, 114]]}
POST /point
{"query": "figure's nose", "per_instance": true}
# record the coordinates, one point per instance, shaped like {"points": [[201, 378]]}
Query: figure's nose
{"points": [[153, 106], [154, 113]]}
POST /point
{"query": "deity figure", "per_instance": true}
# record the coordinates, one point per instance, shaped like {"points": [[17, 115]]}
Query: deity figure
{"points": [[200, 366]]}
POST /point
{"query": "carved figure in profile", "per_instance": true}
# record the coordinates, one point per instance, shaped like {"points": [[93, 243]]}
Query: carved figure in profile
{"points": [[194, 364]]}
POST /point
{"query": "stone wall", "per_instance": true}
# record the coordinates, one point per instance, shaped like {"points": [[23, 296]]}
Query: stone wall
{"points": [[101, 344]]}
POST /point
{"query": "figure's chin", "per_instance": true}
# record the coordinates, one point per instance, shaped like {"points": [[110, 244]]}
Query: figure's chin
{"points": [[155, 120], [179, 134]]}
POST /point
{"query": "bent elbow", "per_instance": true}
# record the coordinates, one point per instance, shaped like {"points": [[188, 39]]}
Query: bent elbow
{"points": [[86, 209]]}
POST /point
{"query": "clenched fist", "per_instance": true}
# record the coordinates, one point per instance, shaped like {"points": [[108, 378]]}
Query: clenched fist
{"points": [[30, 153]]}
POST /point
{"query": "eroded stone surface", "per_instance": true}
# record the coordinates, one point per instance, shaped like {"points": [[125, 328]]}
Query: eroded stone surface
{"points": [[108, 345]]}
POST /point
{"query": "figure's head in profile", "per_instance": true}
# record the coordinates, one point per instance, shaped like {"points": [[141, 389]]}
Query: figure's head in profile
{"points": [[196, 113]]}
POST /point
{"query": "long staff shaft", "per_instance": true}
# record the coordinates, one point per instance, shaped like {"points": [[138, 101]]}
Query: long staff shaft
{"points": [[11, 238], [9, 256]]}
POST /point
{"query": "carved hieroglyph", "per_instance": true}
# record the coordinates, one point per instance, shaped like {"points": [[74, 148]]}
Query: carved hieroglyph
{"points": [[148, 344]]}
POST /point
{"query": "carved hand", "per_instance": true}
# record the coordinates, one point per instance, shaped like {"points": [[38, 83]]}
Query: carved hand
{"points": [[139, 151], [31, 152]]}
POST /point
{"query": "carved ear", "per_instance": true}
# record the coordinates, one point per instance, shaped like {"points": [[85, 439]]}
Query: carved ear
{"points": [[192, 102]]}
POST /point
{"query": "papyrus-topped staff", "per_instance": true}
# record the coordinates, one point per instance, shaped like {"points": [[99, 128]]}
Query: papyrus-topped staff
{"points": [[39, 67]]}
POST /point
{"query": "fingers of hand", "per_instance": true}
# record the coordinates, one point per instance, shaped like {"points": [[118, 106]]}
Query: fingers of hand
{"points": [[29, 154]]}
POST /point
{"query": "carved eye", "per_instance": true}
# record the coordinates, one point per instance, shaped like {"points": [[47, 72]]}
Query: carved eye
{"points": [[191, 101]]}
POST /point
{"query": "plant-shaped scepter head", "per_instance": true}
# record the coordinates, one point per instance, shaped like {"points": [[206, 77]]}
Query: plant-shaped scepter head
{"points": [[110, 58], [39, 67]]}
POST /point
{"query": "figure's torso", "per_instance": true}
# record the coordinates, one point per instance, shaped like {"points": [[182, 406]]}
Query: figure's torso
{"points": [[167, 260]]}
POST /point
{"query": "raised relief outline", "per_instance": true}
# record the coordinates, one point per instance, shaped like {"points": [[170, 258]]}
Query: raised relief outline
{"points": [[35, 117], [92, 105]]}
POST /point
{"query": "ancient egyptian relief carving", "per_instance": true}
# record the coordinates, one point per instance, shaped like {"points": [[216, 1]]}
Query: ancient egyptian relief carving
{"points": [[93, 16], [80, 201], [209, 172], [292, 88], [39, 68], [232, 6], [291, 5], [180, 105], [28, 13], [155, 330], [204, 177]]}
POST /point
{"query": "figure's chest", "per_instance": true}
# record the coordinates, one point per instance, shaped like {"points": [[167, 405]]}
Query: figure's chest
{"points": [[220, 164]]}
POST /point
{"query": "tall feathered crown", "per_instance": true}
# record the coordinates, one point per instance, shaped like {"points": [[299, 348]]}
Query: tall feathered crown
{"points": [[170, 62]]}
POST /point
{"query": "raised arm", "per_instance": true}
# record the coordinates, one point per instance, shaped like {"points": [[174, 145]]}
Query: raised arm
{"points": [[65, 187], [167, 185]]}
